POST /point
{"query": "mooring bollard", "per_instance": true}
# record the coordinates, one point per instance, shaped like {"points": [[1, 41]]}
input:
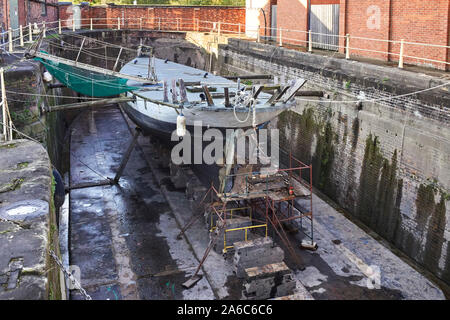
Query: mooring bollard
{"points": [[402, 49], [347, 46]]}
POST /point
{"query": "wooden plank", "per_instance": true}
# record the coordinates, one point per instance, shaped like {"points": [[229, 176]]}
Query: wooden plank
{"points": [[88, 104]]}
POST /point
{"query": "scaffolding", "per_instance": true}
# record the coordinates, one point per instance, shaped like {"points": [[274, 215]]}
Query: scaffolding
{"points": [[267, 199]]}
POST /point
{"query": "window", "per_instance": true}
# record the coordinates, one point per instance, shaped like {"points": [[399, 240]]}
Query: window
{"points": [[44, 7]]}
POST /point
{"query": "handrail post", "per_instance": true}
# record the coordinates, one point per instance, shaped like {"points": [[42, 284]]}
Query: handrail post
{"points": [[73, 24], [198, 25], [21, 35], [402, 49], [281, 36], [218, 28], [140, 23], [347, 46], [159, 23], [257, 34], [239, 30], [44, 28], [178, 24], [30, 33], [91, 26], [59, 27], [10, 40], [310, 41], [118, 23]]}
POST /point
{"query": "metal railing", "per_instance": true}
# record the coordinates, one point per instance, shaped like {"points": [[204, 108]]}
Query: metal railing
{"points": [[400, 50]]}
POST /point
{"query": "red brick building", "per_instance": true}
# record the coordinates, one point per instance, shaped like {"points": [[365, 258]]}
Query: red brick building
{"points": [[415, 21], [14, 13]]}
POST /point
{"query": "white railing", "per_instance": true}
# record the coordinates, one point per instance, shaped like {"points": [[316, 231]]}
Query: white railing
{"points": [[397, 49]]}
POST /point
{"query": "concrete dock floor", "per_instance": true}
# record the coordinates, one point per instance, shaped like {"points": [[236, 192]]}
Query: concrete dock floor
{"points": [[123, 237]]}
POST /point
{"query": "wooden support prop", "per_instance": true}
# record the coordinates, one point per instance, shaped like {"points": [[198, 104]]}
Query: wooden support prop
{"points": [[208, 95], [56, 85], [117, 60], [227, 97], [81, 48], [88, 104], [310, 94], [250, 77], [91, 184], [126, 157], [293, 89], [183, 94]]}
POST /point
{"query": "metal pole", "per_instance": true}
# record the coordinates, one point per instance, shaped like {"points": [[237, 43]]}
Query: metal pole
{"points": [[347, 46], [44, 28], [30, 33], [10, 40], [239, 32], [140, 23], [118, 23], [402, 49], [281, 36], [73, 24], [5, 122], [92, 27], [21, 35], [257, 34], [178, 24], [159, 23], [310, 41], [218, 28], [198, 25], [59, 26]]}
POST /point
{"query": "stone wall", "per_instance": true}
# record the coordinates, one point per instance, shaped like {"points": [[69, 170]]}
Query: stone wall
{"points": [[386, 162], [28, 228]]}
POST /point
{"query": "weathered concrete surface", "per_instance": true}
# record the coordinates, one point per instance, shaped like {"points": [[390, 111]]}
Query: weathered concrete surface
{"points": [[386, 162], [345, 252], [123, 237], [27, 223]]}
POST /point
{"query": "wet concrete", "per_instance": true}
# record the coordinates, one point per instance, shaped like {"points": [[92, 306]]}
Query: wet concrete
{"points": [[123, 236]]}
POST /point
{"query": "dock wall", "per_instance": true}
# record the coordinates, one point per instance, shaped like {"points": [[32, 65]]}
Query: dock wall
{"points": [[384, 160]]}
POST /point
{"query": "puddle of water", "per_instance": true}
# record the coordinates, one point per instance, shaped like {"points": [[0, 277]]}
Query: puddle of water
{"points": [[22, 210]]}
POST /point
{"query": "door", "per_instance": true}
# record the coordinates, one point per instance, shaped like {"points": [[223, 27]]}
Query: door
{"points": [[14, 16], [324, 20]]}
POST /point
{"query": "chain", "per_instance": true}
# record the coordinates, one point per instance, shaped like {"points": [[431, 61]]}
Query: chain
{"points": [[69, 276]]}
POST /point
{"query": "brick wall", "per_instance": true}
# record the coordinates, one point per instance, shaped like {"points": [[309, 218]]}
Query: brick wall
{"points": [[34, 13], [411, 20], [4, 14], [154, 17]]}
